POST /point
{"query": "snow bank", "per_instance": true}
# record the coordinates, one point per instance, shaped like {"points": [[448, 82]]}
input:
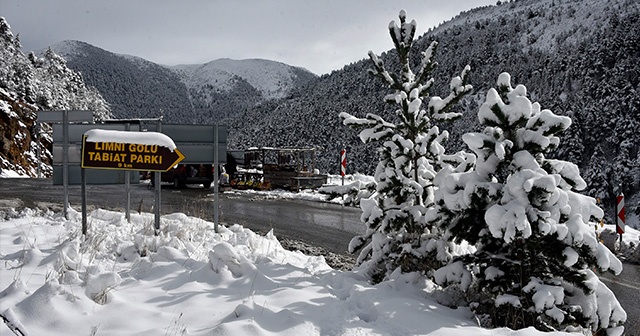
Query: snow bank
{"points": [[189, 280]]}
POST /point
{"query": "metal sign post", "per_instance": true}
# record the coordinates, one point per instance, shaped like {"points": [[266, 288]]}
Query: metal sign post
{"points": [[65, 117], [84, 202], [65, 162], [157, 181], [127, 185], [39, 150], [216, 173]]}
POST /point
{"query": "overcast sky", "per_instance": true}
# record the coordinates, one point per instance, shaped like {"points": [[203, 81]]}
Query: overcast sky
{"points": [[320, 35]]}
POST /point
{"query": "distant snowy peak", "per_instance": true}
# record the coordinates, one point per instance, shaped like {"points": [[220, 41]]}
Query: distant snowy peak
{"points": [[272, 79], [69, 48], [139, 61]]}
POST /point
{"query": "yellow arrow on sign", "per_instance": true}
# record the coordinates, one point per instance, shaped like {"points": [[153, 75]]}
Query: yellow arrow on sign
{"points": [[177, 160]]}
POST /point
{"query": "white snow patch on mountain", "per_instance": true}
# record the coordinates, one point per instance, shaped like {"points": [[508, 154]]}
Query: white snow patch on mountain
{"points": [[66, 48], [272, 79]]}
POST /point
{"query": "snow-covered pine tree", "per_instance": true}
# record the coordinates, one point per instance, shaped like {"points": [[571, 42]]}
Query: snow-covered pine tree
{"points": [[67, 90], [536, 249], [410, 154], [572, 148], [597, 173]]}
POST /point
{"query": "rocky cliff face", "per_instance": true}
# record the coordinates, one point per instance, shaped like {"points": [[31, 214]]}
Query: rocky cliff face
{"points": [[17, 118]]}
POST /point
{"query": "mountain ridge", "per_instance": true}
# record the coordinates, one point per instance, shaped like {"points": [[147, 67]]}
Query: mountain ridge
{"points": [[187, 93], [271, 78]]}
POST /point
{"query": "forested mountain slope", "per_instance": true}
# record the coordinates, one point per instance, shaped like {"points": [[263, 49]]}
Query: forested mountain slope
{"points": [[134, 87], [196, 93], [577, 58]]}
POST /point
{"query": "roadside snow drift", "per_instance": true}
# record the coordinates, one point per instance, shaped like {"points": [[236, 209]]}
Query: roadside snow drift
{"points": [[122, 280]]}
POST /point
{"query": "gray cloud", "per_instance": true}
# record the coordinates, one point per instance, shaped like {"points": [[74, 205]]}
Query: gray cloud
{"points": [[319, 35]]}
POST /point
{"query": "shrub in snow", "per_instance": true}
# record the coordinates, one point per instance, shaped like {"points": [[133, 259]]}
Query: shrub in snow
{"points": [[536, 248], [98, 286], [410, 154], [223, 257], [627, 249], [351, 193]]}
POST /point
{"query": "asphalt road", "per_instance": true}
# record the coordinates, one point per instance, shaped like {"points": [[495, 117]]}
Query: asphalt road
{"points": [[626, 286], [320, 224]]}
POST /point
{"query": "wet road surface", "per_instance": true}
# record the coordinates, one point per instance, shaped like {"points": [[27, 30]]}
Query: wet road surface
{"points": [[323, 224], [626, 286]]}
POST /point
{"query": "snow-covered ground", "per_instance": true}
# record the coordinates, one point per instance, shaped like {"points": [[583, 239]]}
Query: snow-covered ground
{"points": [[190, 280], [4, 173]]}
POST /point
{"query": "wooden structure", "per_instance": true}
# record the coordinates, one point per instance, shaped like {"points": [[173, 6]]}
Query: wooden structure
{"points": [[285, 168]]}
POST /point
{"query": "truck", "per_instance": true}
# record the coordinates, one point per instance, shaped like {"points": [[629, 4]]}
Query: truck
{"points": [[290, 168], [184, 174]]}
